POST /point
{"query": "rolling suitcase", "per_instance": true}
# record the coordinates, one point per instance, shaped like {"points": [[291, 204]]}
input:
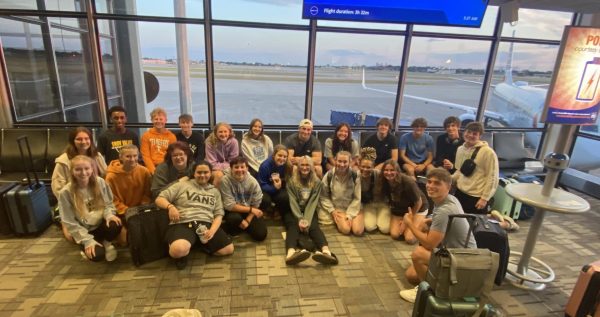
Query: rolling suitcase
{"points": [[146, 229], [584, 300], [504, 203], [427, 304], [28, 207], [5, 227], [527, 211], [489, 235]]}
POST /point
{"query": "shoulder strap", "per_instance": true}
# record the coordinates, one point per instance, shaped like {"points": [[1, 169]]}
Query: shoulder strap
{"points": [[475, 152], [329, 181]]}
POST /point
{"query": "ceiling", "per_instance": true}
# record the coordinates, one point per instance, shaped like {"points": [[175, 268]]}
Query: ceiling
{"points": [[582, 6]]}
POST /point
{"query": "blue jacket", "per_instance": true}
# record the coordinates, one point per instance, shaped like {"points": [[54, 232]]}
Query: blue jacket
{"points": [[265, 170]]}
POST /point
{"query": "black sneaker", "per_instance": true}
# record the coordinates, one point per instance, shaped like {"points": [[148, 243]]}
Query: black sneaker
{"points": [[181, 263]]}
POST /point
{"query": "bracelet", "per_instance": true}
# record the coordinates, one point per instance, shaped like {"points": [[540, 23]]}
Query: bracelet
{"points": [[250, 211]]}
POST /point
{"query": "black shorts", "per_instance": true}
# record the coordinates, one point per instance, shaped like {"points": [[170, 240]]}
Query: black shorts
{"points": [[399, 209], [187, 231]]}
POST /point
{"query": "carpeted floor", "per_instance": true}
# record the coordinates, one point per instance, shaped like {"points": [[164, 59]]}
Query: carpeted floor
{"points": [[46, 276]]}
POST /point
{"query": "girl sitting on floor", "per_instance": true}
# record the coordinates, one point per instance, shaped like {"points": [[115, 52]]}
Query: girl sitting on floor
{"points": [[304, 188], [87, 211]]}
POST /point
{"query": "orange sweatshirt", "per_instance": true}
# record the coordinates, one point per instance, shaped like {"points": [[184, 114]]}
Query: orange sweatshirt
{"points": [[154, 146], [129, 189]]}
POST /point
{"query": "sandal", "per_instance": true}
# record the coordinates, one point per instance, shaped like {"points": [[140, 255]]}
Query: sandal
{"points": [[325, 258], [297, 257]]}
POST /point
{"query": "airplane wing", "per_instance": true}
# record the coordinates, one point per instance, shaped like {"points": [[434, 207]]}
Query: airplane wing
{"points": [[489, 114], [470, 81]]}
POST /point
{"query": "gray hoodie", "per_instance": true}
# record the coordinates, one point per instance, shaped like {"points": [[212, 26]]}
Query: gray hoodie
{"points": [[246, 192], [79, 227], [193, 201], [342, 193]]}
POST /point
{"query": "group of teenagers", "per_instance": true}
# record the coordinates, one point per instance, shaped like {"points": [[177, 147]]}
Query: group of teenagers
{"points": [[213, 188]]}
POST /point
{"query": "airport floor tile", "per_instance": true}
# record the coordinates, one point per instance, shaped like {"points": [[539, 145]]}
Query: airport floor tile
{"points": [[46, 276]]}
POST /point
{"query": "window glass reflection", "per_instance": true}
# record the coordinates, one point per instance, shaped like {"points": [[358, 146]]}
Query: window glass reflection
{"points": [[444, 79], [150, 49], [260, 73], [54, 5], [191, 8], [538, 24], [281, 11], [73, 58], [520, 83], [340, 62], [487, 25], [585, 156], [30, 69]]}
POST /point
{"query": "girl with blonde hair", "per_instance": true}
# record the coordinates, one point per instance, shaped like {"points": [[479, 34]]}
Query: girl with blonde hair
{"points": [[221, 147], [87, 211], [304, 189]]}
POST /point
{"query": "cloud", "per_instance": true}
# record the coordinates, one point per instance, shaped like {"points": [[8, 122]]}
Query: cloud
{"points": [[342, 52]]}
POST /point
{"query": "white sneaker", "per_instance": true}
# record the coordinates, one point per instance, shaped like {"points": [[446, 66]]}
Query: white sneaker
{"points": [[409, 295], [110, 253]]}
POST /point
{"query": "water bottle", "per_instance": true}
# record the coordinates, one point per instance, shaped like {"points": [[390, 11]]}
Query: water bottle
{"points": [[200, 232]]}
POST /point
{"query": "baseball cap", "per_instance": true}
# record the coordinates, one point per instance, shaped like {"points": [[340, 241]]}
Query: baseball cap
{"points": [[304, 122]]}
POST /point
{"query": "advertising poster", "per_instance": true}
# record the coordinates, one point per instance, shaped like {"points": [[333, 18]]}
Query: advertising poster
{"points": [[574, 96]]}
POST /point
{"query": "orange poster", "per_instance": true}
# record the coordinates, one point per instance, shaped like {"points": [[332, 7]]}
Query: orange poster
{"points": [[574, 95]]}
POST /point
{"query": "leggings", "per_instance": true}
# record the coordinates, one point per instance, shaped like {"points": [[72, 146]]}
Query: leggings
{"points": [[257, 228], [103, 233], [293, 232]]}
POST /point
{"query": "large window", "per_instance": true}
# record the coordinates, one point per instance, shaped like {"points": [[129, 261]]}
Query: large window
{"points": [[49, 69], [55, 5], [520, 83], [341, 62], [260, 73], [444, 79], [487, 25], [260, 53], [585, 156], [538, 24], [280, 11], [169, 8], [147, 49]]}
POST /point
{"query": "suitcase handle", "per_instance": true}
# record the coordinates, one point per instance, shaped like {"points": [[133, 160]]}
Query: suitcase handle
{"points": [[471, 220], [20, 141]]}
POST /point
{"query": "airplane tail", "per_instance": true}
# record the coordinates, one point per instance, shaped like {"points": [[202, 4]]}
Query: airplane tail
{"points": [[509, 62]]}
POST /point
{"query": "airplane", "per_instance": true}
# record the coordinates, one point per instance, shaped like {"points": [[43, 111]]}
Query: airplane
{"points": [[518, 104]]}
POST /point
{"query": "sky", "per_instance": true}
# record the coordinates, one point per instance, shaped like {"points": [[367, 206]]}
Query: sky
{"points": [[287, 47]]}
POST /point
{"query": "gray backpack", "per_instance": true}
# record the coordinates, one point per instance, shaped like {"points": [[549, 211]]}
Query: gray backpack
{"points": [[455, 273]]}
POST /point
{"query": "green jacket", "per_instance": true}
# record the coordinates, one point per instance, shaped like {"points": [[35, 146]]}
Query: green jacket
{"points": [[305, 211]]}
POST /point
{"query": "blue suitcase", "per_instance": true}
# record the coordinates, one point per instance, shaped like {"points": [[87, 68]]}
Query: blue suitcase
{"points": [[28, 208], [5, 227]]}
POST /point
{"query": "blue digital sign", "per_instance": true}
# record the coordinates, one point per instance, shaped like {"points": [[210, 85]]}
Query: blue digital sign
{"points": [[468, 13]]}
